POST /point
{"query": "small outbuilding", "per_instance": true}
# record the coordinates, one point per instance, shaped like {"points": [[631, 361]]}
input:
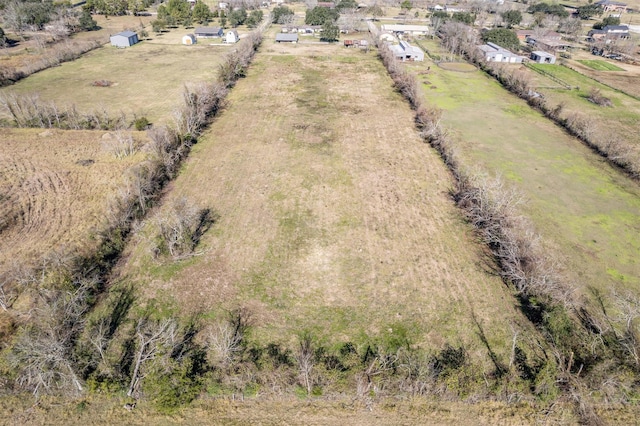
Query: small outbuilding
{"points": [[232, 37], [543, 57], [286, 38], [189, 39], [494, 53], [124, 39]]}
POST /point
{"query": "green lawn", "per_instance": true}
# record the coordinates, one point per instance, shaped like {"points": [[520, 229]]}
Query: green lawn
{"points": [[587, 212], [619, 122], [147, 79], [600, 65]]}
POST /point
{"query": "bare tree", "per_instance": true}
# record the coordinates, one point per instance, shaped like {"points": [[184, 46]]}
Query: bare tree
{"points": [[154, 338], [226, 339], [306, 362]]}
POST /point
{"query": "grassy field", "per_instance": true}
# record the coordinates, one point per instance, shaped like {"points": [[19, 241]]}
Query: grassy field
{"points": [[619, 122], [413, 411], [600, 65], [147, 79], [627, 82], [334, 217], [54, 189], [586, 211]]}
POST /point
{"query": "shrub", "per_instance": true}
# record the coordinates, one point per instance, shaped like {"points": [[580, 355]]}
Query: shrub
{"points": [[141, 123]]}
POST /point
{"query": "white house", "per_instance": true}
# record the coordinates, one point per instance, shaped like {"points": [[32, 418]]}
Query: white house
{"points": [[124, 39]]}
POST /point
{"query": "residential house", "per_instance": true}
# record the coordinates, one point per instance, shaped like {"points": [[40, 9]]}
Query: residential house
{"points": [[124, 39], [209, 32], [609, 33], [406, 52], [309, 30], [286, 38], [189, 39], [406, 29], [548, 44], [494, 53], [223, 5], [612, 6], [232, 37], [542, 57]]}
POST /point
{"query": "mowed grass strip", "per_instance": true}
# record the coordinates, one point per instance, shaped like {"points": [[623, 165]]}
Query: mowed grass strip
{"points": [[588, 212], [334, 216], [600, 65], [54, 191], [146, 79]]}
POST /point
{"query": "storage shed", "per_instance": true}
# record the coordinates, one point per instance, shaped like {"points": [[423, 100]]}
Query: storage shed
{"points": [[209, 32], [124, 39], [232, 37], [189, 39], [286, 38], [542, 57]]}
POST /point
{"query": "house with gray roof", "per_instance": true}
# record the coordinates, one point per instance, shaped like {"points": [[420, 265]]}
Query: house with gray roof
{"points": [[124, 39], [612, 6]]}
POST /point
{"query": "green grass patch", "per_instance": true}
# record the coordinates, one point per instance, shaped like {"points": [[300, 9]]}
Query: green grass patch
{"points": [[599, 65]]}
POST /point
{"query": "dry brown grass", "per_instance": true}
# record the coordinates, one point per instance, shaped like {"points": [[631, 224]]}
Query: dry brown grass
{"points": [[333, 215], [54, 187], [109, 411]]}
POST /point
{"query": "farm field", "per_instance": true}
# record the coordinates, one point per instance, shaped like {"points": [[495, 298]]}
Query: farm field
{"points": [[618, 122], [627, 81], [333, 216], [54, 191], [586, 211], [599, 65], [146, 79]]}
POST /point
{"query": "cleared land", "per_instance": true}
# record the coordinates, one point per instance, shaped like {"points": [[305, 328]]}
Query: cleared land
{"points": [[146, 79], [600, 65], [587, 211], [54, 190], [334, 217]]}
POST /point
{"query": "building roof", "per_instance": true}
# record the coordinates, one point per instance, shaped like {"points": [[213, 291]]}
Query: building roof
{"points": [[207, 30], [126, 34], [609, 3], [286, 37], [494, 48], [234, 32], [401, 28], [542, 54], [617, 28]]}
